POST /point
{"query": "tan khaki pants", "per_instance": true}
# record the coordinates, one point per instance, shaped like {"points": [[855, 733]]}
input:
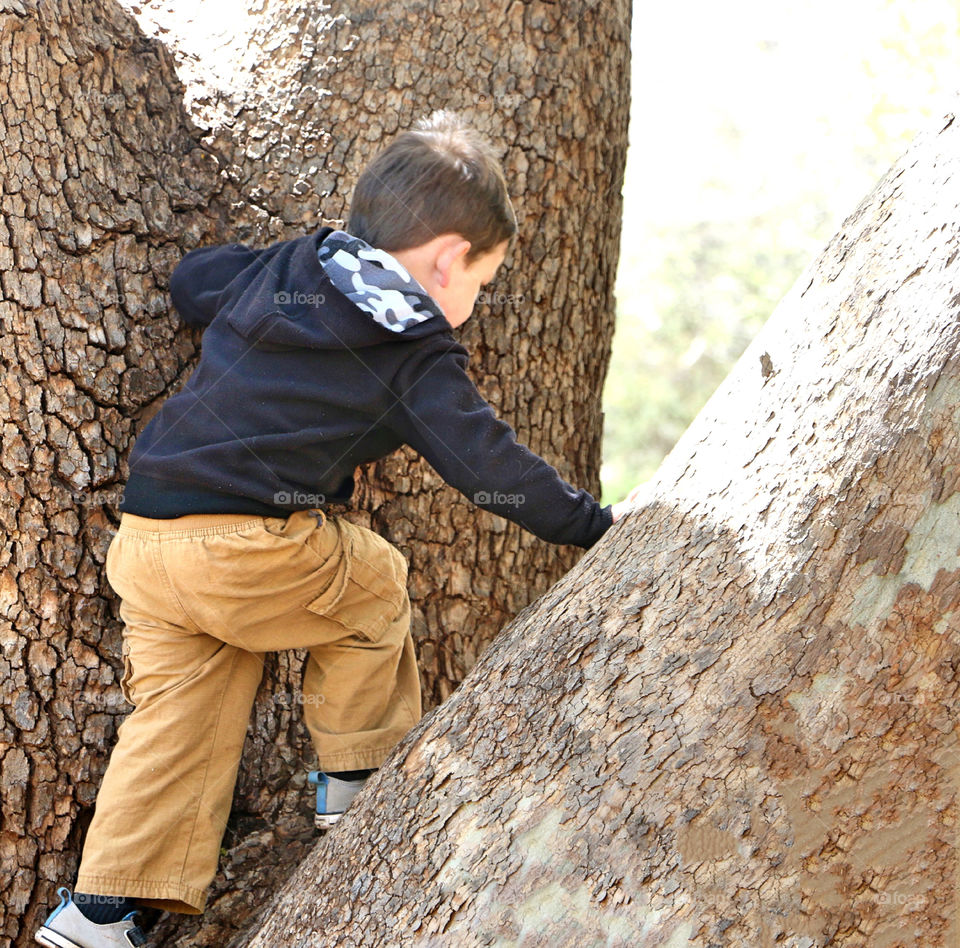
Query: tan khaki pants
{"points": [[203, 598]]}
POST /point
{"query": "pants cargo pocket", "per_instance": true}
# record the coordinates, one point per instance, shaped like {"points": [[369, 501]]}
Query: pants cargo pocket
{"points": [[369, 591], [125, 688]]}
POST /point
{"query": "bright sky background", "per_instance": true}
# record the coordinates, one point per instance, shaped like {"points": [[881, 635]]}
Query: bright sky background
{"points": [[764, 107], [770, 99], [794, 82]]}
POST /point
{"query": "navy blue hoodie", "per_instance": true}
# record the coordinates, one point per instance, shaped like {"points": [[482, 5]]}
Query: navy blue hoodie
{"points": [[317, 358]]}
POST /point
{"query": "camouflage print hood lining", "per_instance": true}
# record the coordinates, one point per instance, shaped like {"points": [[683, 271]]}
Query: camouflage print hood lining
{"points": [[375, 281]]}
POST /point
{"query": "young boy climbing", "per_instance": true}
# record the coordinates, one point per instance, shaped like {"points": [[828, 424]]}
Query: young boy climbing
{"points": [[319, 353]]}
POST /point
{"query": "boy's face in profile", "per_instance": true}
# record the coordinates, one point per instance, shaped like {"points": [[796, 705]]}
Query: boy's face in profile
{"points": [[440, 269]]}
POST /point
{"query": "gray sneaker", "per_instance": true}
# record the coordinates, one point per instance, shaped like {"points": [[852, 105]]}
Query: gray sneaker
{"points": [[68, 927], [333, 796]]}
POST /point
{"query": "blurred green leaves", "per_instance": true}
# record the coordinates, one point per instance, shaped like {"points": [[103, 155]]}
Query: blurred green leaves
{"points": [[706, 289]]}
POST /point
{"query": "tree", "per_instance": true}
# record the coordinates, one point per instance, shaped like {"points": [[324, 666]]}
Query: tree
{"points": [[732, 722], [111, 173]]}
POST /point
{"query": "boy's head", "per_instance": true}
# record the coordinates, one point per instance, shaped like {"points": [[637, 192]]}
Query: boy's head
{"points": [[436, 198]]}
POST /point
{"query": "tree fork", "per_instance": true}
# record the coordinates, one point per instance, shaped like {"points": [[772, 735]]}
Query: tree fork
{"points": [[118, 156]]}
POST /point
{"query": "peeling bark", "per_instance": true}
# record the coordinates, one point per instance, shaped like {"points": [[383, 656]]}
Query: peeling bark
{"points": [[119, 154], [733, 721]]}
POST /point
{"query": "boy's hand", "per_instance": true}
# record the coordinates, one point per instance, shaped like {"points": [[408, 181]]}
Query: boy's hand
{"points": [[634, 499]]}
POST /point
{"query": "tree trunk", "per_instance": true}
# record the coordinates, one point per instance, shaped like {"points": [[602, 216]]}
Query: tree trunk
{"points": [[112, 170], [732, 722]]}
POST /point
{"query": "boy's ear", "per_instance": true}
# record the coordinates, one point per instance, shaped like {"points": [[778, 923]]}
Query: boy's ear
{"points": [[450, 252]]}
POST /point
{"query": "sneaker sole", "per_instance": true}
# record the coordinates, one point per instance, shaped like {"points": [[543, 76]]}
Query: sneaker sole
{"points": [[326, 821], [52, 939]]}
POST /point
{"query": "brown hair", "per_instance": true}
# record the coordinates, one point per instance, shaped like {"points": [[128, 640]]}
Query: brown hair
{"points": [[439, 177]]}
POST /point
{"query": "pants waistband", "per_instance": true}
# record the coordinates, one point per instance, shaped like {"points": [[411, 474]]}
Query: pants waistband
{"points": [[205, 524]]}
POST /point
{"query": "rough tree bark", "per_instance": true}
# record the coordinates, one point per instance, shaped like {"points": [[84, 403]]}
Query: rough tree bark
{"points": [[733, 722], [120, 153]]}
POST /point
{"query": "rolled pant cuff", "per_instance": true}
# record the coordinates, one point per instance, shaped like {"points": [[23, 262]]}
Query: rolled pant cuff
{"points": [[354, 760], [152, 893]]}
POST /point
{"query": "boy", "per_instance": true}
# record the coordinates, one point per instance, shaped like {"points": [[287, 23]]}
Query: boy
{"points": [[319, 353]]}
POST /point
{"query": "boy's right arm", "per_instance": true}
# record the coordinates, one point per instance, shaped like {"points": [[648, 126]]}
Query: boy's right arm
{"points": [[202, 275], [442, 415]]}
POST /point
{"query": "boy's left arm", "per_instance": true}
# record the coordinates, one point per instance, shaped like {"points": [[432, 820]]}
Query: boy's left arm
{"points": [[442, 415]]}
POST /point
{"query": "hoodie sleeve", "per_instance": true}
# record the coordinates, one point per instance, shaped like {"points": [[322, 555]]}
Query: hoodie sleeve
{"points": [[202, 275], [442, 415]]}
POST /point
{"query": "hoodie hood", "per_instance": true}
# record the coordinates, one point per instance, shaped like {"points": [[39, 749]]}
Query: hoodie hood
{"points": [[376, 281], [328, 289]]}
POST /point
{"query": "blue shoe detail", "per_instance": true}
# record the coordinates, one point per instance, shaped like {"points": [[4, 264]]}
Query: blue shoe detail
{"points": [[334, 796], [75, 929], [320, 779], [65, 899]]}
